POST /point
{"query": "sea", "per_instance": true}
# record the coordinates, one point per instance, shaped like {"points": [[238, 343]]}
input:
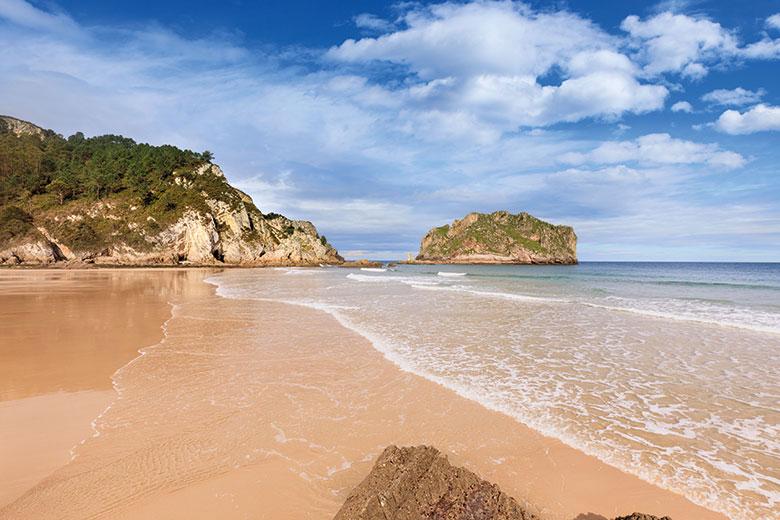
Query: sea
{"points": [[668, 371]]}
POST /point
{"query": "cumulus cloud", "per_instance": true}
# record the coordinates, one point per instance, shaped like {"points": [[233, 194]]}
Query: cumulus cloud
{"points": [[765, 49], [774, 21], [682, 106], [657, 149], [759, 118], [669, 42], [734, 97], [496, 79], [689, 45]]}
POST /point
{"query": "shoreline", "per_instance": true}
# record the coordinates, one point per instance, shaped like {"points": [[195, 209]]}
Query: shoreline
{"points": [[56, 373], [461, 394], [415, 410]]}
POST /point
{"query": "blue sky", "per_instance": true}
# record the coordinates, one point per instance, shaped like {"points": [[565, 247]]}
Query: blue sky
{"points": [[653, 129]]}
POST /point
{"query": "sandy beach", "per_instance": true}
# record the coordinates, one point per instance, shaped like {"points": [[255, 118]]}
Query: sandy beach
{"points": [[244, 409], [64, 334]]}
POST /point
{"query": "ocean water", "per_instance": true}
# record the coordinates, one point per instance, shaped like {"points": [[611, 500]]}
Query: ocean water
{"points": [[669, 371]]}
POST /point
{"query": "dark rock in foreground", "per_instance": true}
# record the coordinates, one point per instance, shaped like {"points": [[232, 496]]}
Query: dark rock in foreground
{"points": [[419, 482], [642, 516]]}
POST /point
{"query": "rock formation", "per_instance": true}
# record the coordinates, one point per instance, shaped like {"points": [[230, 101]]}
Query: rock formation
{"points": [[190, 215], [363, 262], [642, 516], [19, 127], [499, 238], [419, 483]]}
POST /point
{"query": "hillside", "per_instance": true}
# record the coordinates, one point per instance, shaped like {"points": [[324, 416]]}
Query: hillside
{"points": [[110, 200], [499, 238]]}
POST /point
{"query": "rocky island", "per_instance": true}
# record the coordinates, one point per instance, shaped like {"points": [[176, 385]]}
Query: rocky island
{"points": [[499, 238], [109, 200]]}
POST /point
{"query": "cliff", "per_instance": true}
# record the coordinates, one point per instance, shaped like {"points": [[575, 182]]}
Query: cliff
{"points": [[109, 200], [499, 238]]}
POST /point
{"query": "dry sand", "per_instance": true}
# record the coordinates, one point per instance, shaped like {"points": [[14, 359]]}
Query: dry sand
{"points": [[264, 410]]}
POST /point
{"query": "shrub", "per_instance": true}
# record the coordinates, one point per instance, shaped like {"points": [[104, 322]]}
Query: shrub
{"points": [[14, 222], [80, 236]]}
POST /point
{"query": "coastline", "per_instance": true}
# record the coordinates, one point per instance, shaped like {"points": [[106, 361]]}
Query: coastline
{"points": [[317, 403]]}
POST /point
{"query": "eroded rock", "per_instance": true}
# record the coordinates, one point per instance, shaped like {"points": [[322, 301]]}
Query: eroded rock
{"points": [[419, 483]]}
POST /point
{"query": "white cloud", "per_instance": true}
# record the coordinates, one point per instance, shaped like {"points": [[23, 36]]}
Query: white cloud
{"points": [[24, 14], [494, 80], [450, 40], [670, 42], [774, 21], [372, 22], [682, 106], [735, 97], [765, 49], [657, 149], [690, 45], [758, 119]]}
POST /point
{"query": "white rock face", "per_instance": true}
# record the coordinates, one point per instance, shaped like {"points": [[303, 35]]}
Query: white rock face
{"points": [[193, 238], [39, 252], [19, 127]]}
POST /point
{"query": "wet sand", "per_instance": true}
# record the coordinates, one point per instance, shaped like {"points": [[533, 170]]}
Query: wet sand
{"points": [[63, 334], [265, 410]]}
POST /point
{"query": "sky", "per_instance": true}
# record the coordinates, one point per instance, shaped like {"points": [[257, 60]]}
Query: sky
{"points": [[652, 128]]}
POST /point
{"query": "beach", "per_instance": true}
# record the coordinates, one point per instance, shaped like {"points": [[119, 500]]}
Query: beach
{"points": [[247, 408]]}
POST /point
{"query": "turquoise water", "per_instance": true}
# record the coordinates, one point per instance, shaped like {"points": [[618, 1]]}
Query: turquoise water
{"points": [[670, 372]]}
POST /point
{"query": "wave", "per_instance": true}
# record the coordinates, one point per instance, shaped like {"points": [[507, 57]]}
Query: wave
{"points": [[689, 283], [490, 294], [407, 280], [626, 278], [722, 317]]}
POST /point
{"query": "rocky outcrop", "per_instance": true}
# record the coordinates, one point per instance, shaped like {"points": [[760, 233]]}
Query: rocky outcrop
{"points": [[109, 200], [215, 225], [417, 483], [19, 127], [420, 483], [363, 262], [499, 238], [642, 516], [36, 252]]}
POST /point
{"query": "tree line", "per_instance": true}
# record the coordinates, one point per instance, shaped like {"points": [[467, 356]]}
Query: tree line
{"points": [[79, 167]]}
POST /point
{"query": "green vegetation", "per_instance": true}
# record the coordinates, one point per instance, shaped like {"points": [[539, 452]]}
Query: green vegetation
{"points": [[79, 167], [14, 222], [499, 233], [47, 179]]}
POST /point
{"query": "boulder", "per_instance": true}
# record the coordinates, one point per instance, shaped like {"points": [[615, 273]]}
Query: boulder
{"points": [[419, 483]]}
